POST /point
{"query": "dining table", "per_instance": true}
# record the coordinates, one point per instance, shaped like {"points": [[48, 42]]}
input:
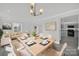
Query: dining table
{"points": [[37, 48]]}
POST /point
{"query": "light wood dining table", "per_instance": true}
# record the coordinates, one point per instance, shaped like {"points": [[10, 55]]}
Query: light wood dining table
{"points": [[37, 48]]}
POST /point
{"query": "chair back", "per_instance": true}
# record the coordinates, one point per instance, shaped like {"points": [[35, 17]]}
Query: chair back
{"points": [[14, 50], [62, 50]]}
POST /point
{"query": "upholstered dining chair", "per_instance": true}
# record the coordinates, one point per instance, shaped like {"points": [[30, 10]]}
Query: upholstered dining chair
{"points": [[53, 52], [18, 49], [14, 50]]}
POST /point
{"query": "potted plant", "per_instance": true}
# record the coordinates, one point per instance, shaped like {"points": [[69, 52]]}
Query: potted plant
{"points": [[1, 33], [34, 31]]}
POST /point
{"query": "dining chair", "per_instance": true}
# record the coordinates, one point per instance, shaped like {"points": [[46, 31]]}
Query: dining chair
{"points": [[53, 52], [45, 35], [14, 50], [18, 49]]}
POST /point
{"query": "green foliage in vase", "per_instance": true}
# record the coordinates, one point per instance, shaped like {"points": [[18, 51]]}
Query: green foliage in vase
{"points": [[34, 33], [1, 33]]}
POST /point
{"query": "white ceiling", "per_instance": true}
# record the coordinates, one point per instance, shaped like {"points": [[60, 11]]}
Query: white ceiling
{"points": [[56, 8], [21, 10]]}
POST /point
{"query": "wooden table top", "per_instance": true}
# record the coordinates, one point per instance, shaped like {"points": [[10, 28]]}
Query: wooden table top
{"points": [[38, 48]]}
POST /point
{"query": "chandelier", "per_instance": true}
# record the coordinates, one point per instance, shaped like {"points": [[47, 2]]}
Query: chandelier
{"points": [[33, 10]]}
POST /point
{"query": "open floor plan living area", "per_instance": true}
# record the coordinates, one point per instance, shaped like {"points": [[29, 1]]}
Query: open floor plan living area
{"points": [[39, 29]]}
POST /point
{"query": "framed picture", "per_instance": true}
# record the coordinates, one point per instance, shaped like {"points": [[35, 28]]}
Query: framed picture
{"points": [[7, 26], [17, 27], [51, 25]]}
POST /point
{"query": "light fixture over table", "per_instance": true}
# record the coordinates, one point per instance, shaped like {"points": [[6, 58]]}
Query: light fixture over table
{"points": [[33, 10]]}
